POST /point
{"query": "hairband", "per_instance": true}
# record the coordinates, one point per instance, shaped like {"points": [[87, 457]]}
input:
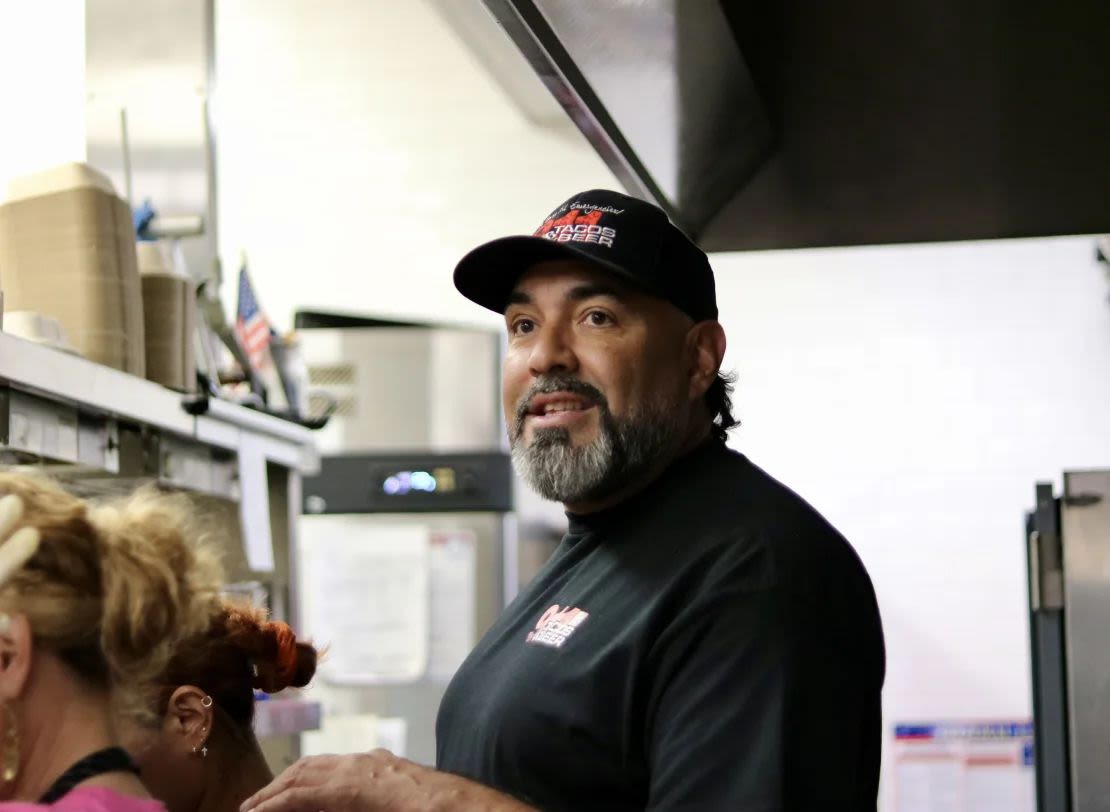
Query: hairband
{"points": [[18, 547]]}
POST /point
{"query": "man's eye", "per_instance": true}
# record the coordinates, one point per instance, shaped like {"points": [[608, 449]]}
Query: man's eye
{"points": [[522, 326], [599, 318]]}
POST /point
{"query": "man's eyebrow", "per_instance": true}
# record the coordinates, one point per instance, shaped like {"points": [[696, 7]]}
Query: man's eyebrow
{"points": [[588, 291], [578, 293]]}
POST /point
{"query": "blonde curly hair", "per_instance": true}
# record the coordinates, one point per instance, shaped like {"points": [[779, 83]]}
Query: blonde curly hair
{"points": [[113, 587]]}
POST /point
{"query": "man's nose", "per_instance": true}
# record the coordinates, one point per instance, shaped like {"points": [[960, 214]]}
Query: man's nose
{"points": [[552, 352]]}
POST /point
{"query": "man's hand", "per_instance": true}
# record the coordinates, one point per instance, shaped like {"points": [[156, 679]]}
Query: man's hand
{"points": [[374, 782]]}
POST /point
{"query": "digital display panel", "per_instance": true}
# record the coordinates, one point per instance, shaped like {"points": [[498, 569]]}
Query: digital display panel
{"points": [[438, 480]]}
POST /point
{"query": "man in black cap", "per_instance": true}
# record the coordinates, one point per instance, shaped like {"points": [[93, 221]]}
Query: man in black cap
{"points": [[701, 639]]}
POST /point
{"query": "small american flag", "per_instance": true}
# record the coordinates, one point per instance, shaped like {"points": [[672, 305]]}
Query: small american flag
{"points": [[251, 326]]}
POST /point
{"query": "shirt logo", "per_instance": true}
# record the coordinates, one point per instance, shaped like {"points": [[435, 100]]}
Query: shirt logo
{"points": [[556, 625]]}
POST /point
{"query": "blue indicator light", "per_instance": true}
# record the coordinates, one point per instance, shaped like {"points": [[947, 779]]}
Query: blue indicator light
{"points": [[423, 481], [404, 482]]}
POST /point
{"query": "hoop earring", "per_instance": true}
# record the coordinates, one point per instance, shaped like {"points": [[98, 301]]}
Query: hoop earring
{"points": [[206, 702], [9, 759]]}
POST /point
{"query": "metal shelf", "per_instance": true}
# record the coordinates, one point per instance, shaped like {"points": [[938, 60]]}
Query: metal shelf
{"points": [[62, 408]]}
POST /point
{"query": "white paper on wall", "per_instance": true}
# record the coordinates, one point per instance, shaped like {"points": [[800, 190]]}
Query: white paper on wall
{"points": [[971, 766], [254, 504], [453, 564], [367, 599]]}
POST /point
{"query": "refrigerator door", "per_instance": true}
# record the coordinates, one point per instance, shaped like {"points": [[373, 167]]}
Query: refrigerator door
{"points": [[1085, 532], [464, 589], [408, 546], [1046, 629]]}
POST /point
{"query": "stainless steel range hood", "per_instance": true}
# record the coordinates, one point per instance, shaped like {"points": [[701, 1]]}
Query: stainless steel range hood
{"points": [[795, 124]]}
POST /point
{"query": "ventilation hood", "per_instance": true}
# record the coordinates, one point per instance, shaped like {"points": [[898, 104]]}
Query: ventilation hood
{"points": [[797, 124]]}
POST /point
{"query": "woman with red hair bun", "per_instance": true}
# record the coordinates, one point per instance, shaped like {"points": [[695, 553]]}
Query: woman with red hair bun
{"points": [[196, 749]]}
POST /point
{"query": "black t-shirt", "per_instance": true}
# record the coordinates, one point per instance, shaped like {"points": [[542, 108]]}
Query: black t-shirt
{"points": [[711, 643]]}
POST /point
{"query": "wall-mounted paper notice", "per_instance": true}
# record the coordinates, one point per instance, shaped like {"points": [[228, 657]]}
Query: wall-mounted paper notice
{"points": [[367, 599], [964, 766], [452, 625], [254, 504]]}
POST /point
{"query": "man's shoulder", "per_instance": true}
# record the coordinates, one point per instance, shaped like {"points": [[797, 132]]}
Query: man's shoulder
{"points": [[735, 511], [730, 492]]}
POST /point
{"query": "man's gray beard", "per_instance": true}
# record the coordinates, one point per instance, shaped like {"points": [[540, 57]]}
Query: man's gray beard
{"points": [[625, 450]]}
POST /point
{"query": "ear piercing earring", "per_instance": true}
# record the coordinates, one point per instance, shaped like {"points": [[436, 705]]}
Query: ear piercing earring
{"points": [[204, 745]]}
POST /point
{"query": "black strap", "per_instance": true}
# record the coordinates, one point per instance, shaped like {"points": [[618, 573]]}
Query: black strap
{"points": [[108, 760]]}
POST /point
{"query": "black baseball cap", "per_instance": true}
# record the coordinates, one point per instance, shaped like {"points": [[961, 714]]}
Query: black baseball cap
{"points": [[625, 236]]}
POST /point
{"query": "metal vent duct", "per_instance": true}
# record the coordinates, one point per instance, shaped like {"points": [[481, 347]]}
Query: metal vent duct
{"points": [[795, 124]]}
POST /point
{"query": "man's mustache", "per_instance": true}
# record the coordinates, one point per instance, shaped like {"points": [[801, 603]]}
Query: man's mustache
{"points": [[557, 383]]}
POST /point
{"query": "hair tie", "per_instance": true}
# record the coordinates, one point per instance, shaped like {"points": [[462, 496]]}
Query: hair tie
{"points": [[16, 548], [286, 651]]}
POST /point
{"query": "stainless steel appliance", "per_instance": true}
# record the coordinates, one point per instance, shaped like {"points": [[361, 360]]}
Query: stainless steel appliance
{"points": [[1069, 598], [408, 544]]}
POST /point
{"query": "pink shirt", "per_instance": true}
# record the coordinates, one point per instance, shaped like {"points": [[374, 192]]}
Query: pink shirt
{"points": [[88, 799]]}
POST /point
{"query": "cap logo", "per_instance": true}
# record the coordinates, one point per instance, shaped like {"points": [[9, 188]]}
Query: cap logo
{"points": [[591, 206], [578, 225]]}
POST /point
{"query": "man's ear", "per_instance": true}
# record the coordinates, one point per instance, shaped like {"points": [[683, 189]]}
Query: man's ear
{"points": [[706, 344], [16, 648], [189, 716]]}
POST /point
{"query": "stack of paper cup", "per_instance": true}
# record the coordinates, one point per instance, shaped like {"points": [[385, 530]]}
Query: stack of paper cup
{"points": [[67, 251], [169, 311]]}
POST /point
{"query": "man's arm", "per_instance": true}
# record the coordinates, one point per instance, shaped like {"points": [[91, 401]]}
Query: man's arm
{"points": [[374, 782]]}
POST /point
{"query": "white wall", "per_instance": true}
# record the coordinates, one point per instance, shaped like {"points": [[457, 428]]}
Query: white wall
{"points": [[363, 150], [915, 395], [42, 85]]}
